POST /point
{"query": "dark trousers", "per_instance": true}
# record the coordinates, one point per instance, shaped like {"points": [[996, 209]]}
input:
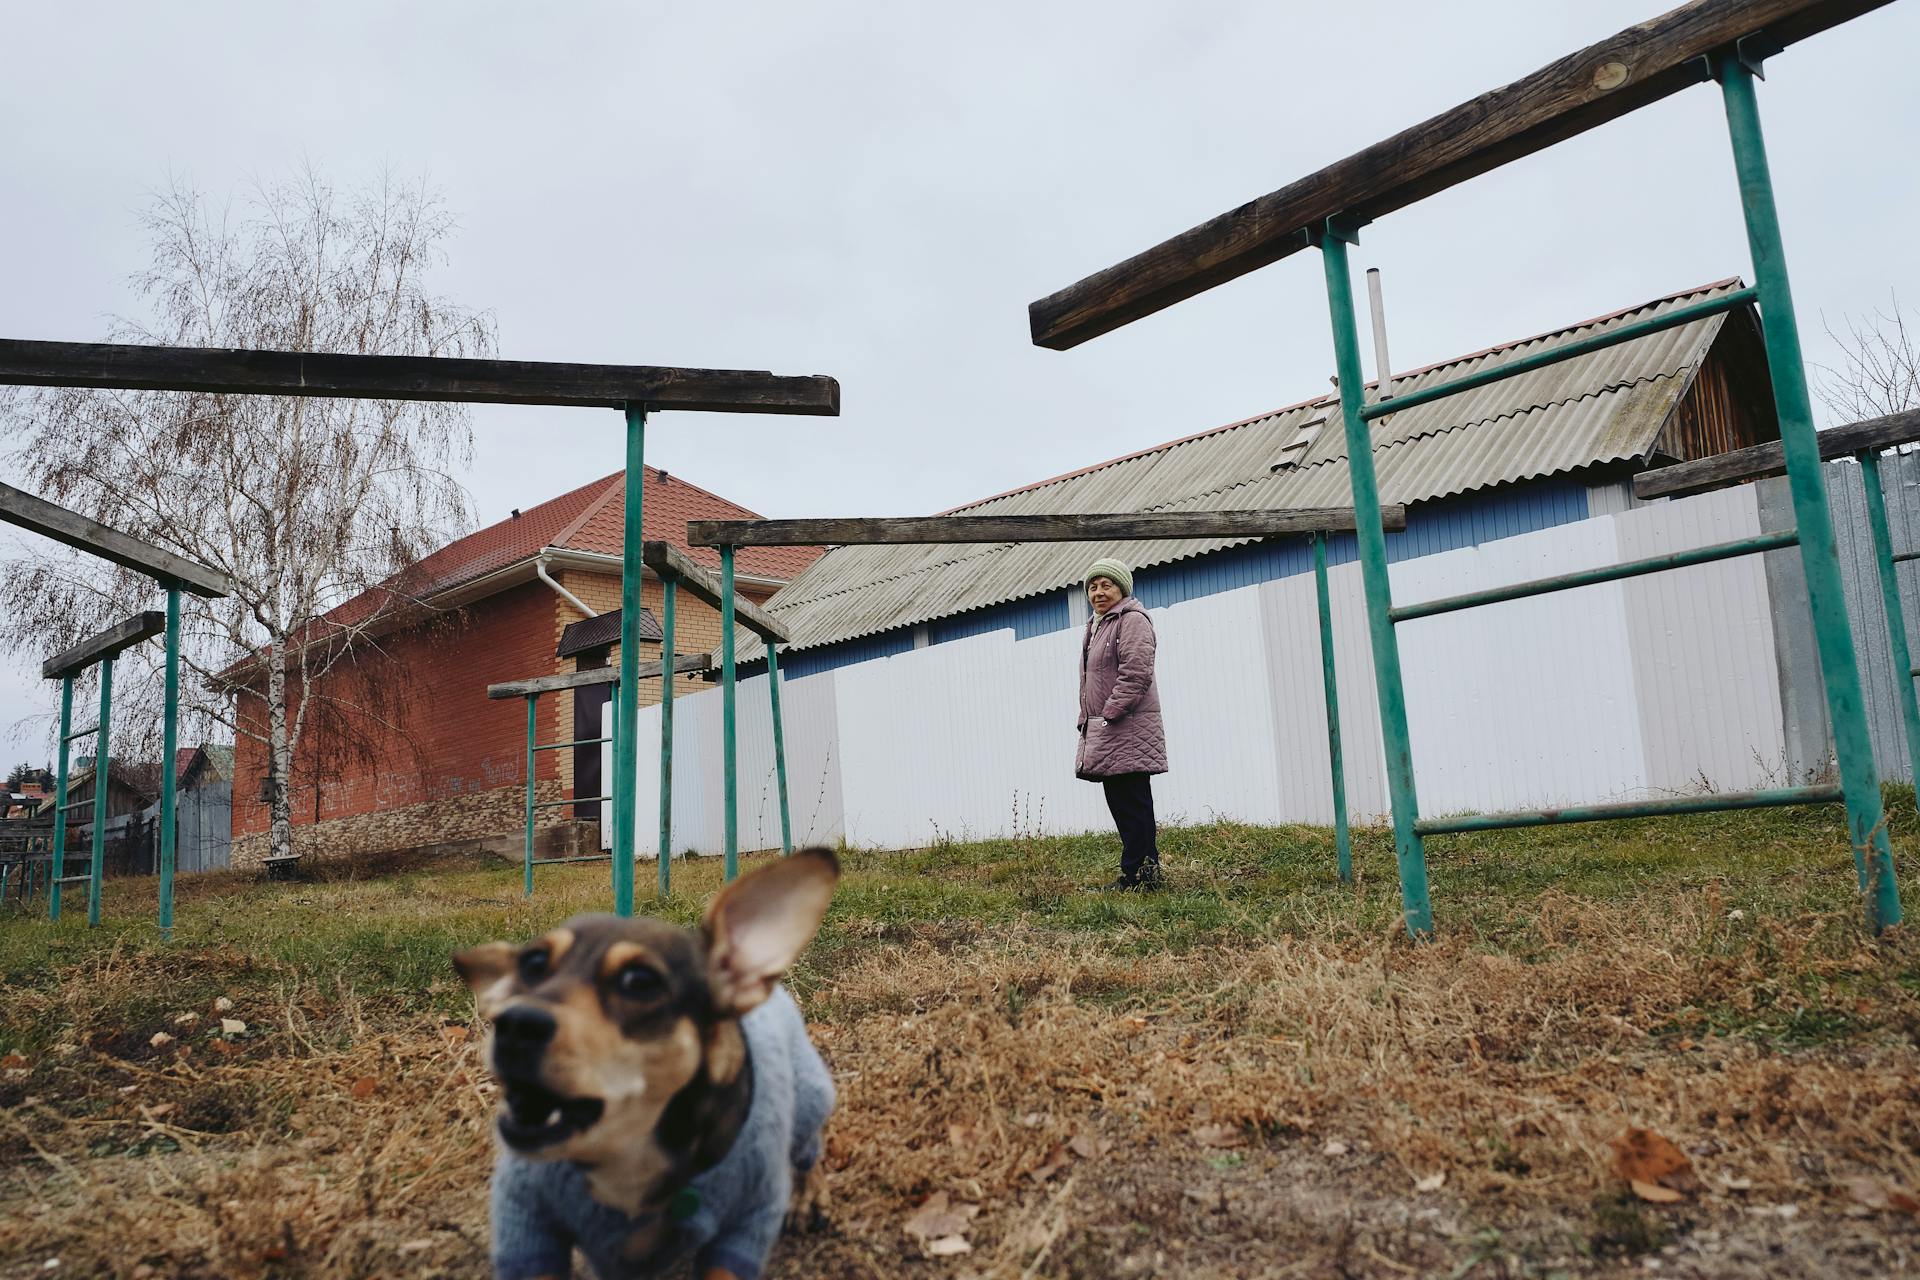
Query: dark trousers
{"points": [[1130, 800]]}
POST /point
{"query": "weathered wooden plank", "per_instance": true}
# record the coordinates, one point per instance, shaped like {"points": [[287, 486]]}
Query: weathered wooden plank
{"points": [[684, 664], [1111, 527], [306, 373], [665, 559], [144, 625], [1606, 80], [1757, 461], [42, 517]]}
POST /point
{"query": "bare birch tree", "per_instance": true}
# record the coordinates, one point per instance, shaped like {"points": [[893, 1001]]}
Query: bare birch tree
{"points": [[1879, 369], [305, 503]]}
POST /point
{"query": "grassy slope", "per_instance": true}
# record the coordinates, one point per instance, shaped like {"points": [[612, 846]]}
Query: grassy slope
{"points": [[1705, 976]]}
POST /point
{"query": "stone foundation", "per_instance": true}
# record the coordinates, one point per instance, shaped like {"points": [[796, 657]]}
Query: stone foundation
{"points": [[486, 822]]}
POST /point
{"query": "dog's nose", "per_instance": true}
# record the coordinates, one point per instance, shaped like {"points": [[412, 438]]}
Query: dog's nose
{"points": [[520, 1033]]}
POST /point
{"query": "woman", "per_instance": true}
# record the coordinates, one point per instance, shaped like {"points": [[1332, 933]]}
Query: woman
{"points": [[1122, 744]]}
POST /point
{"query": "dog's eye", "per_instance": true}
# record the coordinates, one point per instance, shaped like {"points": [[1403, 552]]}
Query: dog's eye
{"points": [[638, 982], [533, 965]]}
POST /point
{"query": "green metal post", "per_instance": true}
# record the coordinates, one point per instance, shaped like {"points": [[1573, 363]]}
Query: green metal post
{"points": [[1415, 907], [729, 742], [779, 748], [97, 865], [670, 589], [1872, 851], [59, 864], [1342, 838], [606, 786], [533, 725], [1890, 601], [169, 746], [626, 729]]}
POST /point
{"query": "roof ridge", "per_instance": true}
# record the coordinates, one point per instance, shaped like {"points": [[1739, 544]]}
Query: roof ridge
{"points": [[1334, 397], [592, 509]]}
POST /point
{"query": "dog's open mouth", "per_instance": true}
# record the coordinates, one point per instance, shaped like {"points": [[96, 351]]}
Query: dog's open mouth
{"points": [[535, 1117]]}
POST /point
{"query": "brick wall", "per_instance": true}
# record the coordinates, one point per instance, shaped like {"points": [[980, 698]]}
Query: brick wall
{"points": [[448, 763]]}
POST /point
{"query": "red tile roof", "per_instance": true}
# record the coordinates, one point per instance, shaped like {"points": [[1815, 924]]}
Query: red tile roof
{"points": [[592, 519]]}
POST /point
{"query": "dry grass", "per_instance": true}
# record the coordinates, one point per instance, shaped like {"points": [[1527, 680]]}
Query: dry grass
{"points": [[1253, 1078]]}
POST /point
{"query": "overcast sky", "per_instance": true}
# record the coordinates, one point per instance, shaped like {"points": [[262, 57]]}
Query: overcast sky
{"points": [[877, 191]]}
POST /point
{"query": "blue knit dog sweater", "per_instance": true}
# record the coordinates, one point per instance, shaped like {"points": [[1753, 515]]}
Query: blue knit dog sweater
{"points": [[542, 1210]]}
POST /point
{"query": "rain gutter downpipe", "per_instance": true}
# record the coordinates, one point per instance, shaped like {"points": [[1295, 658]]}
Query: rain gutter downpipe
{"points": [[540, 571]]}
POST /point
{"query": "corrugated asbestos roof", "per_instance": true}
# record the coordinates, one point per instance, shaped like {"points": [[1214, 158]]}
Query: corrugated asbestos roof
{"points": [[1608, 406]]}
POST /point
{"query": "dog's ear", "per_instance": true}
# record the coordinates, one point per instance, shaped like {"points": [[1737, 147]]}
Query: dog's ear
{"points": [[483, 966], [760, 923]]}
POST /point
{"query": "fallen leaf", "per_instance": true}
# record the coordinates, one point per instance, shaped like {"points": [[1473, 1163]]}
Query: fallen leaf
{"points": [[1334, 1147], [1432, 1182], [223, 1005], [273, 1253], [1219, 1135], [13, 1061], [937, 1218], [1056, 1161], [1641, 1155], [1875, 1194], [185, 1019], [364, 1087], [417, 1246], [1653, 1192], [226, 1048], [949, 1246], [144, 1271], [454, 1035], [160, 1040], [1033, 1119], [232, 1027], [1089, 1147], [1737, 1184], [128, 1088]]}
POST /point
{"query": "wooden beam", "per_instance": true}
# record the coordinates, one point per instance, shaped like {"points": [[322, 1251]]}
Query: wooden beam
{"points": [[1114, 527], [684, 664], [44, 518], [670, 562], [1757, 461], [121, 635], [306, 373], [1618, 75]]}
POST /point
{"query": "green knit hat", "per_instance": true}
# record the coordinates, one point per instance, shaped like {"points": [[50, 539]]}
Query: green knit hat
{"points": [[1121, 575]]}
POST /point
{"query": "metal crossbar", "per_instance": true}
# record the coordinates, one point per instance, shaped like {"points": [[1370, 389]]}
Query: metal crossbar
{"points": [[1823, 794], [1570, 351], [577, 742], [554, 804], [1591, 577], [585, 857], [77, 734]]}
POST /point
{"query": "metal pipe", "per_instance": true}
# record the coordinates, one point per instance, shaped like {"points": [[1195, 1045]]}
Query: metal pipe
{"points": [[1890, 603], [779, 747], [585, 857], [1825, 793], [533, 725], [626, 729], [1382, 367], [1605, 573], [729, 752], [1342, 837], [169, 776], [1570, 351], [577, 742], [102, 767], [565, 800], [670, 590], [59, 864], [1416, 908], [1846, 706]]}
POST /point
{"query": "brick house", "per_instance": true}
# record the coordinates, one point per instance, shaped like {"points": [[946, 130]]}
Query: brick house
{"points": [[441, 764]]}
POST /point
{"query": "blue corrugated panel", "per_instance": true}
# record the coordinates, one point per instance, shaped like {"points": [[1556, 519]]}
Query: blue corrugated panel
{"points": [[1431, 528], [1034, 617]]}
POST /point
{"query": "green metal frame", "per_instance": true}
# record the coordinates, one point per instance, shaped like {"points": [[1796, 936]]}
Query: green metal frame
{"points": [[1859, 787], [1342, 837], [669, 591], [533, 805]]}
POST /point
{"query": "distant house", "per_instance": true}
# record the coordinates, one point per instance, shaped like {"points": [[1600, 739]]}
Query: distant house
{"points": [[535, 594]]}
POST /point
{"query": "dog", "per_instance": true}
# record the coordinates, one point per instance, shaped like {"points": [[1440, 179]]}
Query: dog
{"points": [[659, 1090]]}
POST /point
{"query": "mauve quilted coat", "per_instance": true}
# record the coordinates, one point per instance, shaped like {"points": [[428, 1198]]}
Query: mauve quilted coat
{"points": [[1120, 730]]}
